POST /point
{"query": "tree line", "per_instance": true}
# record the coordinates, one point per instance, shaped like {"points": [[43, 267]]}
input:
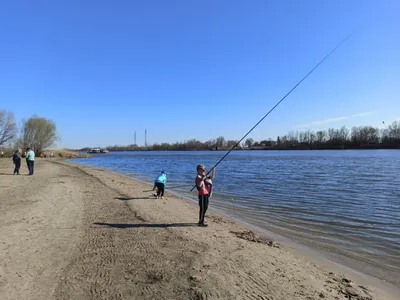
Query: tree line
{"points": [[359, 137], [35, 132]]}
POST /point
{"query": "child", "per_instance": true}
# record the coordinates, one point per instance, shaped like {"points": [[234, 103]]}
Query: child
{"points": [[160, 183], [17, 161], [204, 187]]}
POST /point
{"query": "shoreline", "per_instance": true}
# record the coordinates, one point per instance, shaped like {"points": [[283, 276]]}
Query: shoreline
{"points": [[118, 226], [315, 255], [332, 255]]}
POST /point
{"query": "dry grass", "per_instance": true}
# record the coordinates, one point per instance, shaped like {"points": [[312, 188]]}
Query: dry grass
{"points": [[63, 153]]}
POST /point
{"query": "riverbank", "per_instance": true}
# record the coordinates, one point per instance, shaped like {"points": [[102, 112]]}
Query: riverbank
{"points": [[74, 232], [61, 153]]}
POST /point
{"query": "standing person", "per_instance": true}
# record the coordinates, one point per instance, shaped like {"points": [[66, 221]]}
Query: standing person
{"points": [[17, 161], [204, 188], [160, 183], [30, 159]]}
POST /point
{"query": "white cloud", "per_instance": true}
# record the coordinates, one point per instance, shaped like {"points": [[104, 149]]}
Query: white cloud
{"points": [[363, 114], [333, 120]]}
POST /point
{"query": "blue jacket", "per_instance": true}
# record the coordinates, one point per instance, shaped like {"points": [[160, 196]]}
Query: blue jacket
{"points": [[161, 178]]}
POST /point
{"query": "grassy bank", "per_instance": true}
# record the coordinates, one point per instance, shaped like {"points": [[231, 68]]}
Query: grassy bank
{"points": [[62, 153], [66, 154]]}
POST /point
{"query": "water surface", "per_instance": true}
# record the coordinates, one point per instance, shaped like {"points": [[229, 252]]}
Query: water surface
{"points": [[346, 203]]}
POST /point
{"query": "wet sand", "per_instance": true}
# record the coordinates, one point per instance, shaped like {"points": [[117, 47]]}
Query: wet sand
{"points": [[73, 232]]}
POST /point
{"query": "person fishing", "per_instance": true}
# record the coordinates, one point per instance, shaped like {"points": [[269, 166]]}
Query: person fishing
{"points": [[17, 161], [204, 188], [160, 183], [270, 111]]}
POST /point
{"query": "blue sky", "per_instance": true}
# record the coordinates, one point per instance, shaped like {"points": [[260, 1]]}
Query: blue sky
{"points": [[105, 69]]}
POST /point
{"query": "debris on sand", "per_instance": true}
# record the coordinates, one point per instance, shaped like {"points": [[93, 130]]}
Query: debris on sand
{"points": [[348, 288], [251, 236]]}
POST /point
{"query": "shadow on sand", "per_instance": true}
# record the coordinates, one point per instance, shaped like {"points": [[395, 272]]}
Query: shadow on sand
{"points": [[146, 225], [11, 174], [133, 198]]}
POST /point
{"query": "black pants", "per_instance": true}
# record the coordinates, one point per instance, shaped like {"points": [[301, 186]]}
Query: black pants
{"points": [[31, 165], [17, 166], [160, 189], [203, 203]]}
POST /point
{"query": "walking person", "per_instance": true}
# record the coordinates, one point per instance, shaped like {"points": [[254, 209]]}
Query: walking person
{"points": [[160, 183], [30, 160], [17, 161], [204, 188]]}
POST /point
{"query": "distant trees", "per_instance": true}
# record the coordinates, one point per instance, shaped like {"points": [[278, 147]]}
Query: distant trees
{"points": [[343, 138], [8, 127], [391, 134], [220, 142], [38, 133], [358, 137], [231, 143], [249, 142]]}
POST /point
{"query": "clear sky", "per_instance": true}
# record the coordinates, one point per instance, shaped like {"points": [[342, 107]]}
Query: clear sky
{"points": [[197, 69]]}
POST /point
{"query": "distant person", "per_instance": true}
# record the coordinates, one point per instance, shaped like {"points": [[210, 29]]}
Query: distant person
{"points": [[30, 160], [1, 153], [204, 188], [51, 154], [17, 161], [160, 183]]}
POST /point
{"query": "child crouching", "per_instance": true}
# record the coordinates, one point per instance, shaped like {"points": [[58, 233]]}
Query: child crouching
{"points": [[160, 183]]}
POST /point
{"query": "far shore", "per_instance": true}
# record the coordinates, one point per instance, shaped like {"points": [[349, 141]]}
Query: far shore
{"points": [[365, 147], [75, 232]]}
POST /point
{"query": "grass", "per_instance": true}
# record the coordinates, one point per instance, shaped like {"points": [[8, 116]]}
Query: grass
{"points": [[63, 153]]}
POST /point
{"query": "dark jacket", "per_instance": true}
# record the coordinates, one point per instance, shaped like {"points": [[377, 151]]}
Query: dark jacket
{"points": [[17, 157]]}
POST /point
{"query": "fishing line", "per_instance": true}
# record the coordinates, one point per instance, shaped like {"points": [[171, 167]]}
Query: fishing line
{"points": [[279, 102]]}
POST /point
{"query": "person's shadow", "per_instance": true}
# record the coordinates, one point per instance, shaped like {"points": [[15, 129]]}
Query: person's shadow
{"points": [[132, 198], [145, 225]]}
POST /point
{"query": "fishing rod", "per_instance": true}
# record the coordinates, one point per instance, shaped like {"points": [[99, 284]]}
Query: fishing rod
{"points": [[279, 102]]}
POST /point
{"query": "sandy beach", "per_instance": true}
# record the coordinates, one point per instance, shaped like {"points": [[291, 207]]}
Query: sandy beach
{"points": [[74, 232]]}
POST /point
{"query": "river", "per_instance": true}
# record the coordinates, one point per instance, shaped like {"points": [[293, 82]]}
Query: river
{"points": [[345, 203]]}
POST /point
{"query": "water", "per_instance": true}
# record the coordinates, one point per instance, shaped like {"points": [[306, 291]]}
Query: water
{"points": [[344, 203]]}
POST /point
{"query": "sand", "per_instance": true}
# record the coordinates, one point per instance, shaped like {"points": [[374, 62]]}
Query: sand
{"points": [[71, 232]]}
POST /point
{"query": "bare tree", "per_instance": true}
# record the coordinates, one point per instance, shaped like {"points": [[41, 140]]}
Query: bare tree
{"points": [[292, 137], [231, 143], [220, 142], [8, 127], [249, 142], [394, 131], [38, 133], [321, 137]]}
